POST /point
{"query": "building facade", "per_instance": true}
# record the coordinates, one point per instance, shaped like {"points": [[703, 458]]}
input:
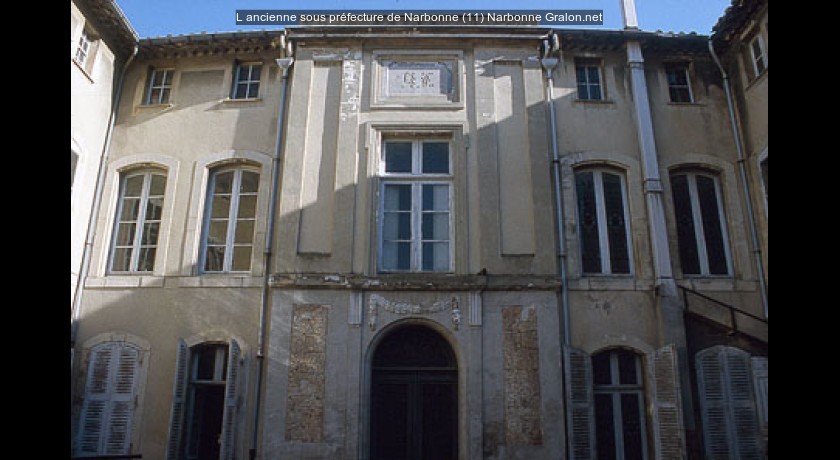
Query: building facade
{"points": [[422, 242]]}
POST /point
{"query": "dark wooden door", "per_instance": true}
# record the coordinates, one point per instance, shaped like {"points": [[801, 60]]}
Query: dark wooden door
{"points": [[414, 398]]}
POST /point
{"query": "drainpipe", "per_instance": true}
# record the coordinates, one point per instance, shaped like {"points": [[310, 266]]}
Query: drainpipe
{"points": [[285, 65], [97, 199], [548, 65], [742, 168]]}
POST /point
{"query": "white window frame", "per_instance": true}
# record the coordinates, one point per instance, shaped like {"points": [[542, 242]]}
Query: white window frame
{"points": [[684, 68], [615, 390], [162, 87], [83, 48], [601, 210], [136, 241], [761, 57], [232, 216], [417, 180], [250, 82], [699, 231], [586, 63]]}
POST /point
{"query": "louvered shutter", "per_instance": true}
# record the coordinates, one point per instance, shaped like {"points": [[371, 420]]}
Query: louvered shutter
{"points": [[179, 397], [667, 412], [97, 393], [122, 400], [742, 401], [231, 396], [730, 424], [580, 410], [760, 371], [107, 412]]}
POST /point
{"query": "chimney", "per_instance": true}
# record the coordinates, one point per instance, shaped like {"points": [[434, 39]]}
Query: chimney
{"points": [[628, 14]]}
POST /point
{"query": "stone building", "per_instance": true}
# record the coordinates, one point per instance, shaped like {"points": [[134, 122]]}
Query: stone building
{"points": [[423, 243]]}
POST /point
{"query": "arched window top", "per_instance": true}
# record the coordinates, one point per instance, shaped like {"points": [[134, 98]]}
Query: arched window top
{"points": [[227, 164], [616, 366], [601, 165], [414, 346], [695, 168]]}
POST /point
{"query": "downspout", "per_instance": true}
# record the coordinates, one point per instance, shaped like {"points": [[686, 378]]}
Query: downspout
{"points": [[97, 199], [742, 168], [549, 64], [285, 64]]}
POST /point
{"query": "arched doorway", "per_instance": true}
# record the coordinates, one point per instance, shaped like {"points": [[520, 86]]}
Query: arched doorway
{"points": [[414, 397]]}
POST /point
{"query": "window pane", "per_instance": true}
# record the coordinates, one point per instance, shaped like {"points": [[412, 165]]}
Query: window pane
{"points": [[223, 182], [601, 373], [122, 260], [250, 182], [712, 231], [671, 76], [398, 157], [168, 77], [580, 74], [241, 91], [583, 92], [154, 208], [218, 232], [133, 186], [130, 209], [616, 226], [154, 96], [595, 92], [164, 97], [242, 258], [125, 234], [679, 94], [685, 226], [220, 207], [435, 197], [592, 75], [435, 158], [397, 226], [631, 423], [247, 206], [158, 186], [205, 363], [255, 73], [397, 197], [150, 234], [435, 256], [435, 226], [396, 256], [214, 259], [146, 261], [244, 233], [253, 90], [588, 221], [604, 427], [627, 368]]}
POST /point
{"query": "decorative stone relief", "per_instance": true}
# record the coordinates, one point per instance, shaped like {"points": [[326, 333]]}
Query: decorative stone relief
{"points": [[307, 364], [403, 308]]}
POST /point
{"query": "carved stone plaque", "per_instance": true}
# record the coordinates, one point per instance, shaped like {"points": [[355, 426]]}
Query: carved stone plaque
{"points": [[418, 79]]}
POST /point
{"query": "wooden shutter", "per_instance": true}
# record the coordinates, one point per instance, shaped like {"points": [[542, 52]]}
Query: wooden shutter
{"points": [[580, 410], [179, 397], [760, 371], [231, 397], [667, 411], [107, 412], [730, 424]]}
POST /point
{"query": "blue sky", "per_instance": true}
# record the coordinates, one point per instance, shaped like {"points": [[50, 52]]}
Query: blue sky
{"points": [[154, 18]]}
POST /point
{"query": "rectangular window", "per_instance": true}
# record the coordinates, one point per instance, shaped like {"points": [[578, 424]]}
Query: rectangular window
{"points": [[588, 75], [758, 55], [619, 406], [160, 86], [83, 49], [602, 220], [699, 217], [139, 213], [231, 215], [246, 81], [416, 203], [679, 86]]}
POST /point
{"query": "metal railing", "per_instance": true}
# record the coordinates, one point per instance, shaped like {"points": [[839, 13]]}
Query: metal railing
{"points": [[733, 311]]}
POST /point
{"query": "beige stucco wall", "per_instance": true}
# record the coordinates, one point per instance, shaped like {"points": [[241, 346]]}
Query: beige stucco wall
{"points": [[90, 106]]}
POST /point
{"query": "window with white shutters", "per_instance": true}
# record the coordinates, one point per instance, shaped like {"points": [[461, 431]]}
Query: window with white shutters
{"points": [[107, 413], [205, 402], [580, 416], [727, 404], [668, 430]]}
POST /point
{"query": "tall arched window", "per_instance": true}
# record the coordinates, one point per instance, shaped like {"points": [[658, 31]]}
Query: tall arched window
{"points": [[619, 406], [139, 212], [701, 233], [230, 217], [603, 221]]}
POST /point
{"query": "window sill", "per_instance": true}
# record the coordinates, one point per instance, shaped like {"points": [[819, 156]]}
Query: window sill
{"points": [[602, 102], [686, 104], [246, 101], [151, 107], [753, 81]]}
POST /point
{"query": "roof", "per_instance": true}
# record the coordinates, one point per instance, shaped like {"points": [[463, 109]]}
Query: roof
{"points": [[110, 21], [734, 19]]}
